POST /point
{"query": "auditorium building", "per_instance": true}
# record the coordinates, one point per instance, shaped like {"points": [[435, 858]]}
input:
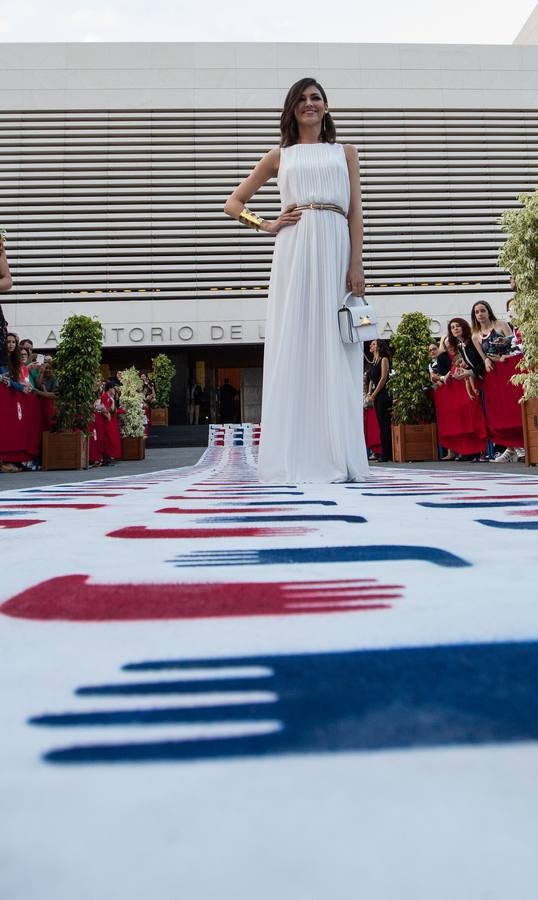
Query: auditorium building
{"points": [[116, 160]]}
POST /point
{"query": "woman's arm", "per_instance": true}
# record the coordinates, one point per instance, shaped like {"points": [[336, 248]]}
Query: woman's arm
{"points": [[369, 390], [20, 386], [42, 392], [266, 168], [355, 275], [488, 363], [6, 281]]}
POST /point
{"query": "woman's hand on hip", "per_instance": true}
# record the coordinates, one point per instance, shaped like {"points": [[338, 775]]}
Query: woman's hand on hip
{"points": [[355, 280], [290, 216]]}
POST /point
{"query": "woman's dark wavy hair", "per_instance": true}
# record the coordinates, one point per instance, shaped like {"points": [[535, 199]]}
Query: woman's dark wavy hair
{"points": [[14, 359], [465, 333], [384, 349], [474, 321], [288, 123]]}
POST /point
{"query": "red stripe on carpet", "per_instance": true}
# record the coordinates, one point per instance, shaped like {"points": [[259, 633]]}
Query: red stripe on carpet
{"points": [[141, 531], [74, 598]]}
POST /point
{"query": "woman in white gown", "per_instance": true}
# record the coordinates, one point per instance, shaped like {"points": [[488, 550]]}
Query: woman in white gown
{"points": [[312, 422]]}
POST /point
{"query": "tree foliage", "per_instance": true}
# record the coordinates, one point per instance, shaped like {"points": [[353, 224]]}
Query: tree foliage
{"points": [[162, 374], [76, 365], [519, 255], [132, 401], [409, 382]]}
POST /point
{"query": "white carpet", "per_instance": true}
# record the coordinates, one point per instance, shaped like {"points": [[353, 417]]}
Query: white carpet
{"points": [[212, 688]]}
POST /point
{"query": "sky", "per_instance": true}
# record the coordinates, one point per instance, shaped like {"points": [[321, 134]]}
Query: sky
{"points": [[354, 21]]}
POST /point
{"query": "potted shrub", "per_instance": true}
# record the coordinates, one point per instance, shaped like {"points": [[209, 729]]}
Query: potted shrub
{"points": [[76, 365], [161, 376], [132, 417], [519, 255], [414, 435]]}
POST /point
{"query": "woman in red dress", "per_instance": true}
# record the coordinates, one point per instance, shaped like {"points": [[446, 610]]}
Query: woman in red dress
{"points": [[493, 339], [96, 431], [112, 437], [461, 427]]}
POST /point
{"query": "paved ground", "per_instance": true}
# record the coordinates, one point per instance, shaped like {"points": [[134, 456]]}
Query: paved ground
{"points": [[172, 457], [211, 688], [175, 457]]}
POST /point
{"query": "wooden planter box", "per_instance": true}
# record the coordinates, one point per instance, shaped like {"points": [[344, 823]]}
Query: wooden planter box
{"points": [[65, 450], [159, 415], [529, 412], [414, 443], [133, 448]]}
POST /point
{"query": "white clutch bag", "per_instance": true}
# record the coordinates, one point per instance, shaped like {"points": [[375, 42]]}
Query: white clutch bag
{"points": [[357, 320]]}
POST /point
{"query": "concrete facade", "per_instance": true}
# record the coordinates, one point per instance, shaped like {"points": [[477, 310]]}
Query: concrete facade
{"points": [[418, 79], [197, 76], [529, 32]]}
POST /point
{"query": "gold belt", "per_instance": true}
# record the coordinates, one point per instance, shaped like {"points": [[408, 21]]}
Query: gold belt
{"points": [[331, 206]]}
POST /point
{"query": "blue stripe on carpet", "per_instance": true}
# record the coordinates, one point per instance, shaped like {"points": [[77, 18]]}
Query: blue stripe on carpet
{"points": [[350, 701]]}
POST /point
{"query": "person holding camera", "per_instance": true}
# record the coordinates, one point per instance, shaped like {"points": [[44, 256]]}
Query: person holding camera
{"points": [[46, 382]]}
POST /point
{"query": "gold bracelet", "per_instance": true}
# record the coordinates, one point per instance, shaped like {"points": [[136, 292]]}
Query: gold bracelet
{"points": [[250, 219]]}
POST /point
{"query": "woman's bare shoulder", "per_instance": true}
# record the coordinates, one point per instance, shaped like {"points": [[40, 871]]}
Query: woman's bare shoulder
{"points": [[351, 151], [504, 326], [273, 159]]}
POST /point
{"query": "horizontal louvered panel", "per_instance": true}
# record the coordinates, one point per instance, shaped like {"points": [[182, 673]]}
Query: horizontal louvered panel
{"points": [[128, 204], [208, 195]]}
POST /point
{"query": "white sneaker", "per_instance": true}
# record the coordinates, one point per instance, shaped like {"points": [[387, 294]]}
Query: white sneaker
{"points": [[520, 451], [509, 456]]}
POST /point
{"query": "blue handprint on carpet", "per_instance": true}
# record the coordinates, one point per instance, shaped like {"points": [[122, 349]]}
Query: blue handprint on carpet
{"points": [[313, 703]]}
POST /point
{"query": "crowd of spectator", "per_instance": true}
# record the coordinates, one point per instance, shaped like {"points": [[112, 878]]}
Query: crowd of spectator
{"points": [[104, 431], [30, 377], [477, 408], [28, 389], [27, 373]]}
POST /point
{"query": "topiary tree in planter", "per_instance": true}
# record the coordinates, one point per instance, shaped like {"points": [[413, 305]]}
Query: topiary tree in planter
{"points": [[76, 365], [132, 418], [410, 381], [413, 435], [132, 401], [519, 255], [163, 370]]}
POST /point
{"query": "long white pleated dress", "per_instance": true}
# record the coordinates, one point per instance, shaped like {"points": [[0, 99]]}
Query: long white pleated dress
{"points": [[312, 419]]}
